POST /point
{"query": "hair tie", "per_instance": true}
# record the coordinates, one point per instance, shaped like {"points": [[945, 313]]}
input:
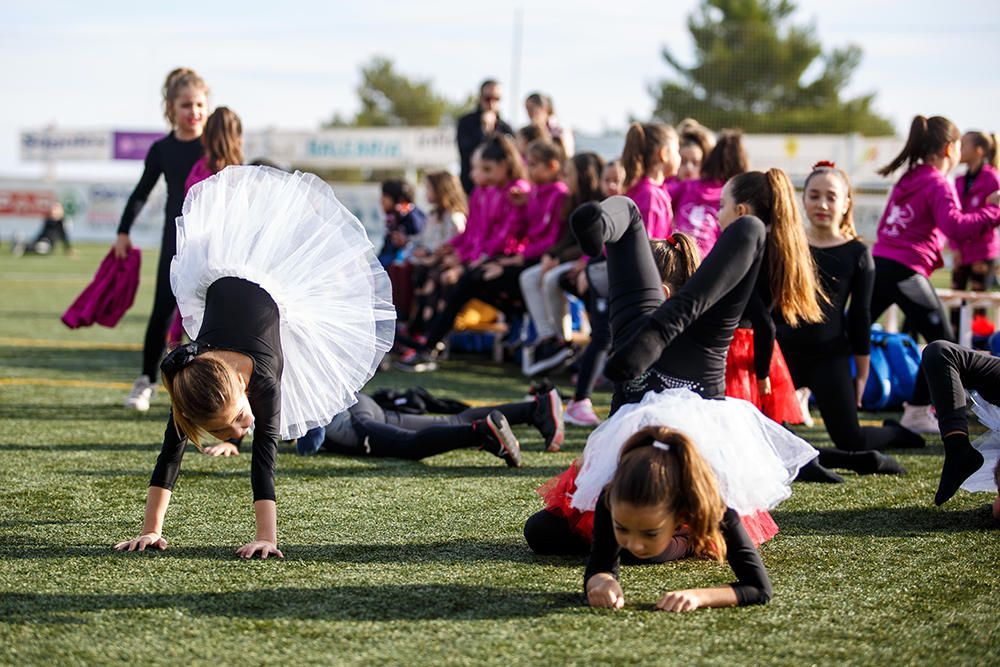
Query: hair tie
{"points": [[825, 164], [661, 445], [181, 356], [671, 240]]}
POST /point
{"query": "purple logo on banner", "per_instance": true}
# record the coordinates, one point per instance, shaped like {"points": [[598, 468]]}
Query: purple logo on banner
{"points": [[134, 145]]}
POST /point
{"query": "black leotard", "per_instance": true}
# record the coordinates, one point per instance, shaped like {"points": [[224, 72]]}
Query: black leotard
{"points": [[172, 158], [240, 316], [752, 584]]}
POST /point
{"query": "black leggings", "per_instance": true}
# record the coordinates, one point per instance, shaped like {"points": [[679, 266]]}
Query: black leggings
{"points": [[550, 535], [829, 378], [500, 292], [951, 370], [915, 296], [388, 434], [593, 358], [164, 305]]}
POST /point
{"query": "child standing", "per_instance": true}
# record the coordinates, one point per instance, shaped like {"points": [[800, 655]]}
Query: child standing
{"points": [[976, 257], [289, 315], [185, 104], [650, 157]]}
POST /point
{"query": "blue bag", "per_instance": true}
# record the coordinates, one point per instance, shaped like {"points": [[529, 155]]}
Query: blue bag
{"points": [[895, 363]]}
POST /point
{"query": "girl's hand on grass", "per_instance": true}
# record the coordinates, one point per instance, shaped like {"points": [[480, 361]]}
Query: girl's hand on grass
{"points": [[152, 540], [679, 601], [604, 592], [264, 547], [223, 449]]}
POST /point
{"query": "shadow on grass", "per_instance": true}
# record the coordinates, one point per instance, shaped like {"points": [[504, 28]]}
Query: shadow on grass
{"points": [[81, 412], [349, 603], [457, 551], [80, 447], [392, 468], [884, 522]]}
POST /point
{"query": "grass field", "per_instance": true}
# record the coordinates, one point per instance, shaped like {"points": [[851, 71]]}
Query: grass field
{"points": [[396, 562]]}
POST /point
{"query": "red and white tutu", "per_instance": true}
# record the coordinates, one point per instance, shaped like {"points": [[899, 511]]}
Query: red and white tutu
{"points": [[781, 405], [558, 493]]}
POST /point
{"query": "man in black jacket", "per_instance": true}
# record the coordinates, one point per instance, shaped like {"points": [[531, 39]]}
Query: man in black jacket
{"points": [[475, 126]]}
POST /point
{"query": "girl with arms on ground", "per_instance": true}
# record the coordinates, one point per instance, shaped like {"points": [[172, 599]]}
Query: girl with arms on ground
{"points": [[185, 104], [289, 314]]}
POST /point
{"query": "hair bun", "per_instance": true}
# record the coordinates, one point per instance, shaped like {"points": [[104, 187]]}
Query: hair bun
{"points": [[825, 164]]}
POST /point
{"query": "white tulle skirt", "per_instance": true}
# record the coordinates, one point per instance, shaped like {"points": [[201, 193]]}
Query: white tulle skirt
{"points": [[754, 459], [988, 445], [289, 234]]}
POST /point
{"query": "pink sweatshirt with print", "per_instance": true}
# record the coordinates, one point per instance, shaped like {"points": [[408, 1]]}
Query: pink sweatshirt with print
{"points": [[506, 227], [923, 209], [654, 205], [696, 212], [984, 247], [468, 245]]}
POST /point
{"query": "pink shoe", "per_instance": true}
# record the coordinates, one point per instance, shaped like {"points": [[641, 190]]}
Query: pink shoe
{"points": [[581, 413]]}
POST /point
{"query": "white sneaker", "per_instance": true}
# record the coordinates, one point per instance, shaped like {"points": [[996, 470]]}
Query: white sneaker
{"points": [[803, 394], [142, 393], [919, 419]]}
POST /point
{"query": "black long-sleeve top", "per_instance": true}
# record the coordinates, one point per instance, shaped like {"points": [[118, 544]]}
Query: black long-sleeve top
{"points": [[469, 135], [752, 585], [847, 274], [172, 158], [239, 316], [758, 316], [698, 321]]}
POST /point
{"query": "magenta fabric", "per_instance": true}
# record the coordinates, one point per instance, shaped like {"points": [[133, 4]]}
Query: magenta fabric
{"points": [[673, 185], [987, 245], [696, 211], [544, 218], [504, 234], [199, 172], [112, 292], [654, 205], [923, 209], [468, 245]]}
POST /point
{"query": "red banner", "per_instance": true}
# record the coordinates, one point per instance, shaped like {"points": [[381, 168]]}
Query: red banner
{"points": [[27, 203]]}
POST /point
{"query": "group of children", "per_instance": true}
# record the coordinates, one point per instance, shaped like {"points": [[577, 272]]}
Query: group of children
{"points": [[677, 246]]}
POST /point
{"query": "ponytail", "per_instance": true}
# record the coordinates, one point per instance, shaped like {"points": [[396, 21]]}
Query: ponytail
{"points": [[642, 144], [677, 257], [726, 159], [793, 282], [200, 391], [223, 139], [988, 144], [672, 474], [927, 137], [992, 158]]}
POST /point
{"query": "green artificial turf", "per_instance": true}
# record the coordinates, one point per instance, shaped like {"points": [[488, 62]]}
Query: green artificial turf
{"points": [[397, 562]]}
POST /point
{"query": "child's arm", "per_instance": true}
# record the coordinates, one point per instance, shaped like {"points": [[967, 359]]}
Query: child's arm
{"points": [[265, 401], [601, 576], [157, 499], [266, 541]]}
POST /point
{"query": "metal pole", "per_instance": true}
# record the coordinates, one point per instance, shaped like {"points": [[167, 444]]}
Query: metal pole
{"points": [[515, 66]]}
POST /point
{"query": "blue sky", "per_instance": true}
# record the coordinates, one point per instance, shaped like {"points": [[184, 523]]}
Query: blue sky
{"points": [[292, 65]]}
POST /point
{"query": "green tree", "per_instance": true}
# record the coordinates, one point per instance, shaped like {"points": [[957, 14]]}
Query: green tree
{"points": [[755, 70], [391, 99]]}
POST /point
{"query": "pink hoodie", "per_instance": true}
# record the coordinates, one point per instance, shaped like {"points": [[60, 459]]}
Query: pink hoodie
{"points": [[544, 217], [654, 204], [199, 172], [506, 227], [987, 246], [696, 212], [109, 295], [468, 244], [923, 208]]}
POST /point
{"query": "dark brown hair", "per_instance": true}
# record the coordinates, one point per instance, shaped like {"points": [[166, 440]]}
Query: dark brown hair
{"points": [[199, 392], [642, 144], [847, 228], [500, 148], [223, 139], [794, 284], [673, 475], [177, 81], [697, 135], [587, 185], [677, 258], [928, 136], [727, 159], [545, 150], [448, 192]]}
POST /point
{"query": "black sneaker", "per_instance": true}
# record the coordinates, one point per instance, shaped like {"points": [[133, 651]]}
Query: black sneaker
{"points": [[549, 419], [419, 361], [499, 440], [549, 355]]}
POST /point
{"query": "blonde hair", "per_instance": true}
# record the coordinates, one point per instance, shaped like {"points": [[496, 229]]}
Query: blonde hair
{"points": [[223, 139], [177, 81], [675, 477], [448, 190], [794, 284], [200, 391]]}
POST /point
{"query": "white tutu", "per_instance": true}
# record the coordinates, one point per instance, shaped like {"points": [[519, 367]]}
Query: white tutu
{"points": [[754, 459], [988, 445], [290, 235]]}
